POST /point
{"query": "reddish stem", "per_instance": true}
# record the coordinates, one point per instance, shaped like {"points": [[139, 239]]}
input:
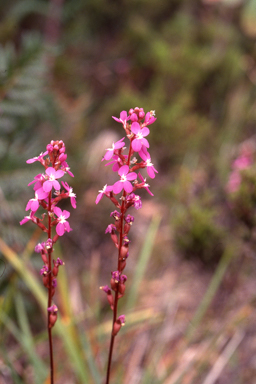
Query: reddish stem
{"points": [[50, 289], [122, 210]]}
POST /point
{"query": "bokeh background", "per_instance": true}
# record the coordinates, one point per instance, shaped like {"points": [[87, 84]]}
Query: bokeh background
{"points": [[66, 67]]}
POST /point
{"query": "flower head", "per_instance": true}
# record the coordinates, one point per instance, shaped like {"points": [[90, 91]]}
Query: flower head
{"points": [[63, 225], [71, 194], [104, 191], [110, 151], [139, 139], [124, 182], [52, 182]]}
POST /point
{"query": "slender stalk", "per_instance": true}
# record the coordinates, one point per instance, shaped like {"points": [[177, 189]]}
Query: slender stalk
{"points": [[50, 291], [111, 346]]}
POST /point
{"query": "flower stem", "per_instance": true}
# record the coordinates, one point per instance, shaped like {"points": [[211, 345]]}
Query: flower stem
{"points": [[50, 290]]}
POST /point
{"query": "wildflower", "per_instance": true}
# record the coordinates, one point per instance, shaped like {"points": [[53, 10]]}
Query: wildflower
{"points": [[150, 118], [124, 182], [71, 194], [147, 162], [33, 204], [62, 225], [65, 168], [27, 218], [52, 182], [38, 158], [123, 118], [110, 151], [117, 162], [139, 139], [110, 228], [145, 185], [105, 190]]}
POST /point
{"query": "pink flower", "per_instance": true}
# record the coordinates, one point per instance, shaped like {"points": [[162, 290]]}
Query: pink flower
{"points": [[117, 162], [33, 204], [52, 182], [65, 168], [139, 140], [147, 159], [38, 180], [124, 182], [123, 118], [242, 162], [38, 158], [150, 118], [145, 185], [71, 194], [27, 218], [104, 191], [62, 225], [110, 151]]}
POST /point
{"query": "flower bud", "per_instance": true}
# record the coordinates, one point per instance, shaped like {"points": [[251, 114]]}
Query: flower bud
{"points": [[53, 310], [120, 322]]}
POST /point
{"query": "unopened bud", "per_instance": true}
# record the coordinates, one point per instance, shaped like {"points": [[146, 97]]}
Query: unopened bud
{"points": [[53, 310]]}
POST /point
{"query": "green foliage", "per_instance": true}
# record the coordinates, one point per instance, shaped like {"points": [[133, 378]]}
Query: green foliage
{"points": [[196, 220]]}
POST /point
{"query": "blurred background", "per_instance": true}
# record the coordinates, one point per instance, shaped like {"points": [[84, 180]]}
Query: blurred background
{"points": [[66, 67]]}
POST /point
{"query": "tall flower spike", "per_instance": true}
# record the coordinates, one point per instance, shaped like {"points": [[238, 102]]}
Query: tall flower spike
{"points": [[55, 218], [125, 164]]}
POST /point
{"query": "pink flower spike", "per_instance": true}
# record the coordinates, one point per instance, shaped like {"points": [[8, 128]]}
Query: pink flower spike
{"points": [[71, 194], [110, 151], [123, 118], [104, 191], [38, 158], [62, 226], [52, 182], [139, 139], [124, 182], [145, 185]]}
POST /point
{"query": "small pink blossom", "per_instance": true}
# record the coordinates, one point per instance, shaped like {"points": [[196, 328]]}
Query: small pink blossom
{"points": [[104, 191], [123, 118], [71, 194], [124, 182], [145, 185], [242, 162], [38, 180], [117, 162], [139, 139], [62, 225], [65, 168], [38, 158], [110, 151], [150, 118], [52, 182], [27, 218], [147, 159], [33, 204]]}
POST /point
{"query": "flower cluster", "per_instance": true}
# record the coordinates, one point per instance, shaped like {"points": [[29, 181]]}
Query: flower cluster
{"points": [[135, 124], [48, 193]]}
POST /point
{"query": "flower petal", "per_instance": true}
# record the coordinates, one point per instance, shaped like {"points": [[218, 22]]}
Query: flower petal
{"points": [[47, 186], [60, 229], [117, 187], [128, 186], [136, 144], [123, 170], [135, 127]]}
